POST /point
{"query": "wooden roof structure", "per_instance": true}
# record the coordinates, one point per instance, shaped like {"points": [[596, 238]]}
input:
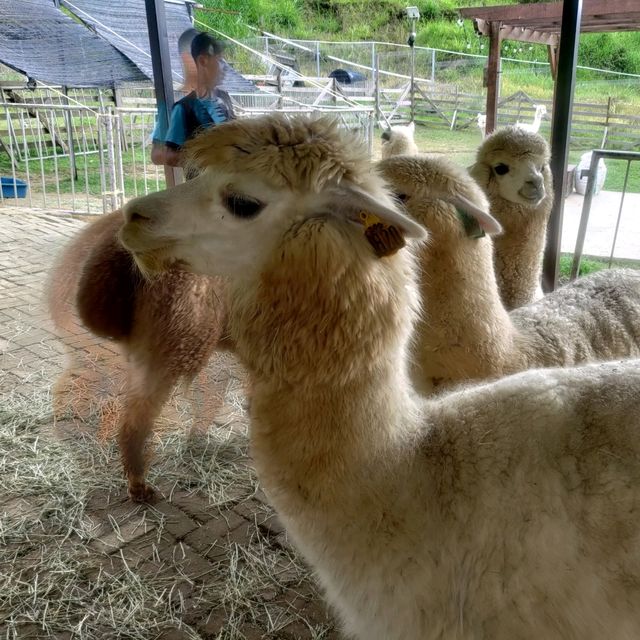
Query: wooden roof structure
{"points": [[557, 25], [540, 23]]}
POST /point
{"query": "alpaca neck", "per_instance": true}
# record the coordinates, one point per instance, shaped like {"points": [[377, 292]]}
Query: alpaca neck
{"points": [[518, 252], [465, 332], [326, 346], [314, 446]]}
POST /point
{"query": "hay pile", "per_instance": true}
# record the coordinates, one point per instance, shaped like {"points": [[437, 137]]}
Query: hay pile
{"points": [[77, 559]]}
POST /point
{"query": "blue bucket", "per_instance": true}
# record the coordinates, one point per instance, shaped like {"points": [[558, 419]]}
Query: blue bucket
{"points": [[13, 188]]}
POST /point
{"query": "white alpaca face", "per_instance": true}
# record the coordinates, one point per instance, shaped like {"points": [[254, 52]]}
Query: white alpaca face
{"points": [[216, 224], [224, 224], [520, 180]]}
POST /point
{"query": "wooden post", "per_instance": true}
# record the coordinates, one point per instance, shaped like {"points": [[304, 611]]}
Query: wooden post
{"points": [[493, 76], [552, 54]]}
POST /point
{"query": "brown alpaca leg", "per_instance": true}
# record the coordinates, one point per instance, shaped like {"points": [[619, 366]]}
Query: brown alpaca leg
{"points": [[146, 395], [206, 395]]}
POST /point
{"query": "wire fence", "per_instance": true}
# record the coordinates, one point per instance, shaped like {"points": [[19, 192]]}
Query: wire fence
{"points": [[319, 58], [74, 158]]}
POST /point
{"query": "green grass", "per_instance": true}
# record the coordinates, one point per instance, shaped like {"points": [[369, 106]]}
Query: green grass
{"points": [[88, 173], [591, 264]]}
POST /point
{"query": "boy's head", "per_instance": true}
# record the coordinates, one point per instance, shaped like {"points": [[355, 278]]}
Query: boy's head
{"points": [[189, 72], [207, 53]]}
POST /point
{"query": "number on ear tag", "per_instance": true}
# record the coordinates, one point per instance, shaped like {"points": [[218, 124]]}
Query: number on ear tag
{"points": [[384, 238]]}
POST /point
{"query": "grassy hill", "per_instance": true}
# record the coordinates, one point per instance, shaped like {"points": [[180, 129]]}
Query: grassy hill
{"points": [[439, 27]]}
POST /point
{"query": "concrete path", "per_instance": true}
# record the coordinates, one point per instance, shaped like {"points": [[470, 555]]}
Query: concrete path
{"points": [[602, 224]]}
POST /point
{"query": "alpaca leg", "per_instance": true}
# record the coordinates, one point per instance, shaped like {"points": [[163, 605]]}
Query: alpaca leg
{"points": [[146, 395], [206, 396]]}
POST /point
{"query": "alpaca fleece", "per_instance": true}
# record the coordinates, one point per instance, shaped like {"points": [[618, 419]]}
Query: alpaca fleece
{"points": [[464, 332]]}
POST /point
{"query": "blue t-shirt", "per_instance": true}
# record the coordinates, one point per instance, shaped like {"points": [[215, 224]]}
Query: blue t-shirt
{"points": [[160, 128], [207, 112]]}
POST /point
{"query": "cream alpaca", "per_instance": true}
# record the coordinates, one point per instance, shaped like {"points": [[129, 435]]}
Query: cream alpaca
{"points": [[505, 511], [512, 166], [534, 127], [398, 140], [465, 332]]}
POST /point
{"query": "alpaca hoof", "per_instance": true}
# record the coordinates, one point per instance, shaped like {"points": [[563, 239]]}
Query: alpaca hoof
{"points": [[141, 492]]}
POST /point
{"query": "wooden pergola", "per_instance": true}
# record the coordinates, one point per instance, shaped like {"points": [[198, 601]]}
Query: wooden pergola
{"points": [[557, 25]]}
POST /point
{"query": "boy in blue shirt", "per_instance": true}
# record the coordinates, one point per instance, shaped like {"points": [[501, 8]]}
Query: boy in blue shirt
{"points": [[189, 83], [206, 106]]}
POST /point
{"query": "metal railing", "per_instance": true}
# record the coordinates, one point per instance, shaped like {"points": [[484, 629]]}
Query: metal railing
{"points": [[591, 174]]}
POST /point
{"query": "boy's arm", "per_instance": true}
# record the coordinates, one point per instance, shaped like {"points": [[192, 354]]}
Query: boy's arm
{"points": [[176, 137]]}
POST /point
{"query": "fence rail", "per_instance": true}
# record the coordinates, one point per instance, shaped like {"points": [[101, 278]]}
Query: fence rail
{"points": [[591, 173]]}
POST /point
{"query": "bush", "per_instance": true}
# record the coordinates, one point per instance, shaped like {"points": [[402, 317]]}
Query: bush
{"points": [[234, 17], [616, 52]]}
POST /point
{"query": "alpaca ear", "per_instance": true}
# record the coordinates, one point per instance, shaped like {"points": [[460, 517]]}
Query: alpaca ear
{"points": [[411, 127], [485, 221], [383, 225]]}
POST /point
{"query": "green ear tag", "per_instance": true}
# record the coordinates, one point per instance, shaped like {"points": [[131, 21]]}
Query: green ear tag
{"points": [[471, 225]]}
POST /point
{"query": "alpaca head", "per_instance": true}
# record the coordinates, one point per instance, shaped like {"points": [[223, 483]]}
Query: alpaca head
{"points": [[263, 179], [399, 140], [440, 195], [514, 164], [482, 122], [541, 111], [309, 238]]}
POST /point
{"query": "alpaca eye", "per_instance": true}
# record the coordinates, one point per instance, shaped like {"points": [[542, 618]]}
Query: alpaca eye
{"points": [[501, 169], [403, 197], [241, 206]]}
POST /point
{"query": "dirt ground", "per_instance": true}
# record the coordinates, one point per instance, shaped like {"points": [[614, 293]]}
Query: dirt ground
{"points": [[208, 559]]}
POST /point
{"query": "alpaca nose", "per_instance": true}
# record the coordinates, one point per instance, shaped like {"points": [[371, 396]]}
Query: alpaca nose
{"points": [[535, 182], [140, 210]]}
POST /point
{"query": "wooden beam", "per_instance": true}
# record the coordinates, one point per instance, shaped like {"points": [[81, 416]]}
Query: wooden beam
{"points": [[593, 11], [493, 76], [597, 16], [523, 34], [512, 14]]}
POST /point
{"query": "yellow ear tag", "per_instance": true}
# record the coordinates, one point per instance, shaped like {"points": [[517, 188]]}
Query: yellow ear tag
{"points": [[384, 238]]}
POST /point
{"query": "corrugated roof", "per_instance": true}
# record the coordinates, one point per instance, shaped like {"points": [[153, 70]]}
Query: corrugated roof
{"points": [[40, 41], [124, 24]]}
